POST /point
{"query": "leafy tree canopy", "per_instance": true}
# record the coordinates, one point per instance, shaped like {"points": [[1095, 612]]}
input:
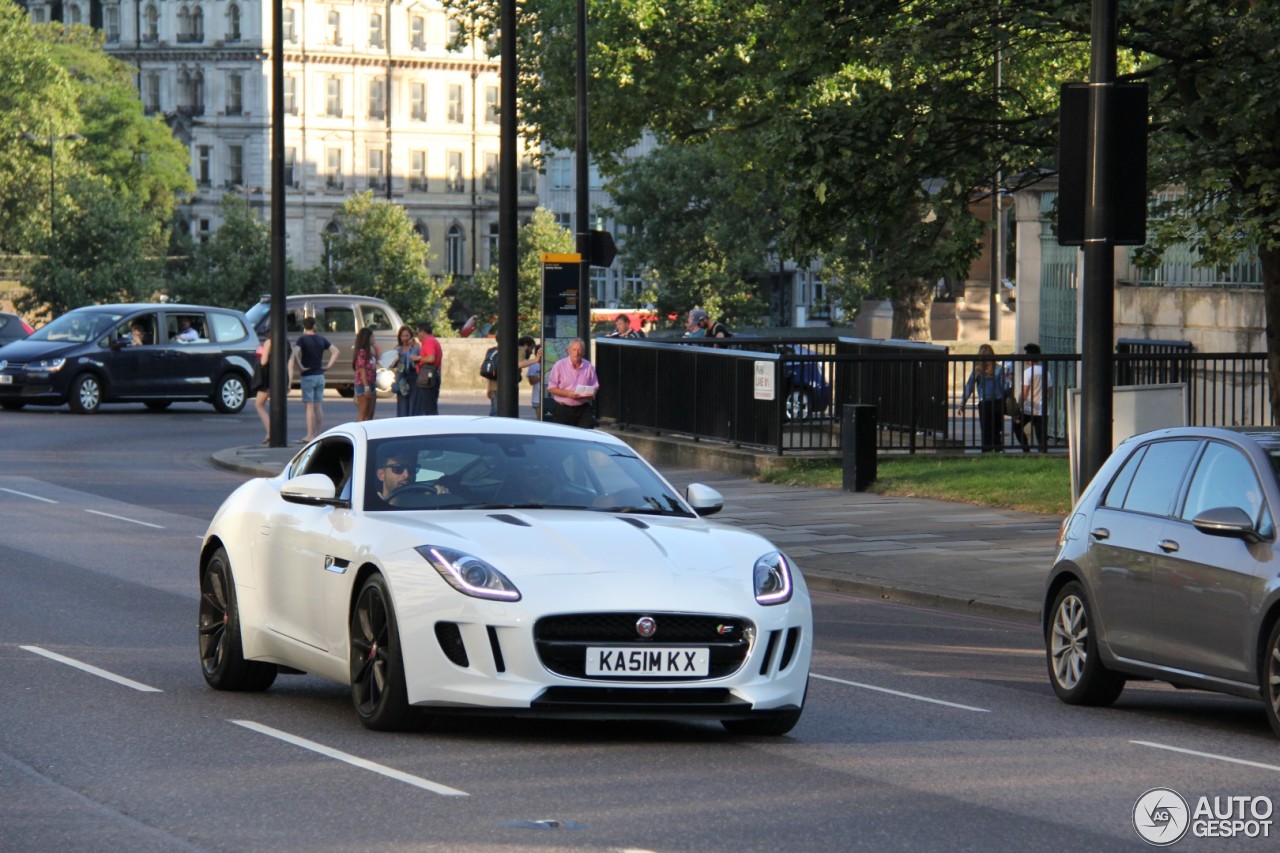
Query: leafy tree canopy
{"points": [[376, 252], [233, 268]]}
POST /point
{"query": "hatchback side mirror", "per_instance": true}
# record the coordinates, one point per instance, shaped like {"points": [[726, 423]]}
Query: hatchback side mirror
{"points": [[1229, 521]]}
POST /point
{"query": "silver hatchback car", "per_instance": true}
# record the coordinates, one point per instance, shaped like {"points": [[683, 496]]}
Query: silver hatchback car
{"points": [[1168, 569]]}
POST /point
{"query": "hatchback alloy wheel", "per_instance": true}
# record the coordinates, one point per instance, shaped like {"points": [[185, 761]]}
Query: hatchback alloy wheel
{"points": [[1271, 679], [1075, 668]]}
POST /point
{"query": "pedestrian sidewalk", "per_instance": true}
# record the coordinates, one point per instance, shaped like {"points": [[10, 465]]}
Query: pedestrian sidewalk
{"points": [[939, 553]]}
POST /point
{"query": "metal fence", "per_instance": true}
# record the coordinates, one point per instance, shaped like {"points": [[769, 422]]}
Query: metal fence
{"points": [[786, 395]]}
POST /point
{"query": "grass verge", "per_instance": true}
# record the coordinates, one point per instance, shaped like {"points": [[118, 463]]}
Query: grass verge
{"points": [[1011, 480]]}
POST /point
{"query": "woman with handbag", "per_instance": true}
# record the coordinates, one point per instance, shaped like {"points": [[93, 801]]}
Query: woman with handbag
{"points": [[364, 365], [987, 379], [406, 371]]}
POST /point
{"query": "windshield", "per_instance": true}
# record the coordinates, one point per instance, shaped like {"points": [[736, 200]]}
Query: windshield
{"points": [[77, 327], [513, 472], [258, 314]]}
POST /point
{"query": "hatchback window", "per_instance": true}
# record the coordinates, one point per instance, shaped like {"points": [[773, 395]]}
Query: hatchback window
{"points": [[1119, 488], [1155, 486], [375, 318], [337, 319], [227, 328], [1223, 477]]}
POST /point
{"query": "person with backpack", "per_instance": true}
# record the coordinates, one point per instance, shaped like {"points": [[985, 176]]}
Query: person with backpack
{"points": [[429, 359], [489, 372], [701, 326]]}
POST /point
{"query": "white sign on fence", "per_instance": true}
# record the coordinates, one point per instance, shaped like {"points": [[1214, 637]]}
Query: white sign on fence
{"points": [[764, 389]]}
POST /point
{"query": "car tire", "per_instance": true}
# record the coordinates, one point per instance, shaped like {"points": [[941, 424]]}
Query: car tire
{"points": [[86, 394], [1076, 670], [12, 406], [230, 394], [158, 405], [1271, 678], [799, 403], [378, 690], [221, 653]]}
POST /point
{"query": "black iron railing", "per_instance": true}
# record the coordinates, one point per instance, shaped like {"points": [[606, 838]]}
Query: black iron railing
{"points": [[785, 395]]}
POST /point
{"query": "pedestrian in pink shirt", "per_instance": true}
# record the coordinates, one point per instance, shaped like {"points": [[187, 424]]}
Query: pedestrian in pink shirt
{"points": [[572, 383]]}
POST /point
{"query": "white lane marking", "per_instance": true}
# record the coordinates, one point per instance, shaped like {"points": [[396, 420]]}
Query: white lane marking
{"points": [[364, 764], [26, 495], [1257, 764], [125, 518], [92, 670], [899, 693]]}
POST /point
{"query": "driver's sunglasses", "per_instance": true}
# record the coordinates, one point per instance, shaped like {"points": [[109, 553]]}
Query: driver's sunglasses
{"points": [[398, 467]]}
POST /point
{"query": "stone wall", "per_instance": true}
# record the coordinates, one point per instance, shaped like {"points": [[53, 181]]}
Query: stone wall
{"points": [[1217, 319]]}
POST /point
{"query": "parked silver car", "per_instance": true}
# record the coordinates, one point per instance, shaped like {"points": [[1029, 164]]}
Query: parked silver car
{"points": [[1168, 570], [339, 316]]}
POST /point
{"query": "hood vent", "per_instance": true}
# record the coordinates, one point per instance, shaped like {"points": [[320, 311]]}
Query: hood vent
{"points": [[634, 522], [510, 519]]}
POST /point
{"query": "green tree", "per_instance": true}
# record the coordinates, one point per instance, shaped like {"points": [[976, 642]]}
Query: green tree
{"points": [[376, 252], [701, 228], [541, 234], [106, 249], [37, 100], [234, 267]]}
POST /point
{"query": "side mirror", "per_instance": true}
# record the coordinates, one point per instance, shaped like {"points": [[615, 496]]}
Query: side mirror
{"points": [[704, 499], [311, 489], [1229, 521]]}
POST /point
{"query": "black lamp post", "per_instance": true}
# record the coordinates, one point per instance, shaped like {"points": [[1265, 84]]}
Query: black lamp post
{"points": [[53, 140]]}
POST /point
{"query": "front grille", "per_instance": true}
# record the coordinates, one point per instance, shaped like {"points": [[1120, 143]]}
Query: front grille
{"points": [[562, 641]]}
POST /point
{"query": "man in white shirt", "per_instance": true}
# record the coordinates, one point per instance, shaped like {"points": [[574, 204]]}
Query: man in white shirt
{"points": [[1036, 386]]}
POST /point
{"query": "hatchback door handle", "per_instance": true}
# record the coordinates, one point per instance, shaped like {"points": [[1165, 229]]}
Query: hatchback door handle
{"points": [[1168, 546], [1100, 533]]}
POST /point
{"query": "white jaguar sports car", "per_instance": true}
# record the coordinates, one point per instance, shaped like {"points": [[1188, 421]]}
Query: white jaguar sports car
{"points": [[465, 565]]}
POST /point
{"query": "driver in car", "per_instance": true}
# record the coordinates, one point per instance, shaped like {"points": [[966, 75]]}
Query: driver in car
{"points": [[397, 469]]}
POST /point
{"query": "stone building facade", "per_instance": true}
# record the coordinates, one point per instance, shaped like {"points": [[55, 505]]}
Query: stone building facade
{"points": [[379, 95]]}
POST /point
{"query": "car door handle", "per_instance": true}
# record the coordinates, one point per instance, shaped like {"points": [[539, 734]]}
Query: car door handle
{"points": [[1168, 546], [1100, 533]]}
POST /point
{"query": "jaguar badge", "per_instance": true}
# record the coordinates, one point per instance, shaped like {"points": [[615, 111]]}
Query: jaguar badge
{"points": [[645, 626]]}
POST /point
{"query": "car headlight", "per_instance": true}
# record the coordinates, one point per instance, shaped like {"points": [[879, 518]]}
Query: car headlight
{"points": [[772, 575], [50, 365], [469, 575]]}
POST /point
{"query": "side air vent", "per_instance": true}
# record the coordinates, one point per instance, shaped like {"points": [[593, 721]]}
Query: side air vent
{"points": [[498, 663], [789, 650], [768, 652], [450, 639], [510, 519], [634, 522]]}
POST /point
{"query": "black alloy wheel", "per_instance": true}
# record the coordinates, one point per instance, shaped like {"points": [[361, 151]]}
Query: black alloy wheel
{"points": [[377, 669], [221, 654]]}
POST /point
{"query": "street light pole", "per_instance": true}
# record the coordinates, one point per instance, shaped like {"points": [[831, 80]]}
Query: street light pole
{"points": [[53, 139]]}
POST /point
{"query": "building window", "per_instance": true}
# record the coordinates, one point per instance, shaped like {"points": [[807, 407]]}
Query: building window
{"points": [[453, 245], [333, 103], [291, 95], [565, 220], [453, 173], [560, 173], [378, 98], [37, 15], [290, 160], [151, 24], [417, 32], [453, 37], [184, 24], [490, 172], [493, 244], [197, 94], [418, 101], [197, 24], [377, 175], [151, 92], [491, 113], [203, 231], [74, 15], [202, 165], [333, 169], [420, 228], [235, 94], [289, 20], [112, 24], [418, 171], [528, 175], [334, 36], [455, 104], [235, 165], [375, 30], [233, 22]]}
